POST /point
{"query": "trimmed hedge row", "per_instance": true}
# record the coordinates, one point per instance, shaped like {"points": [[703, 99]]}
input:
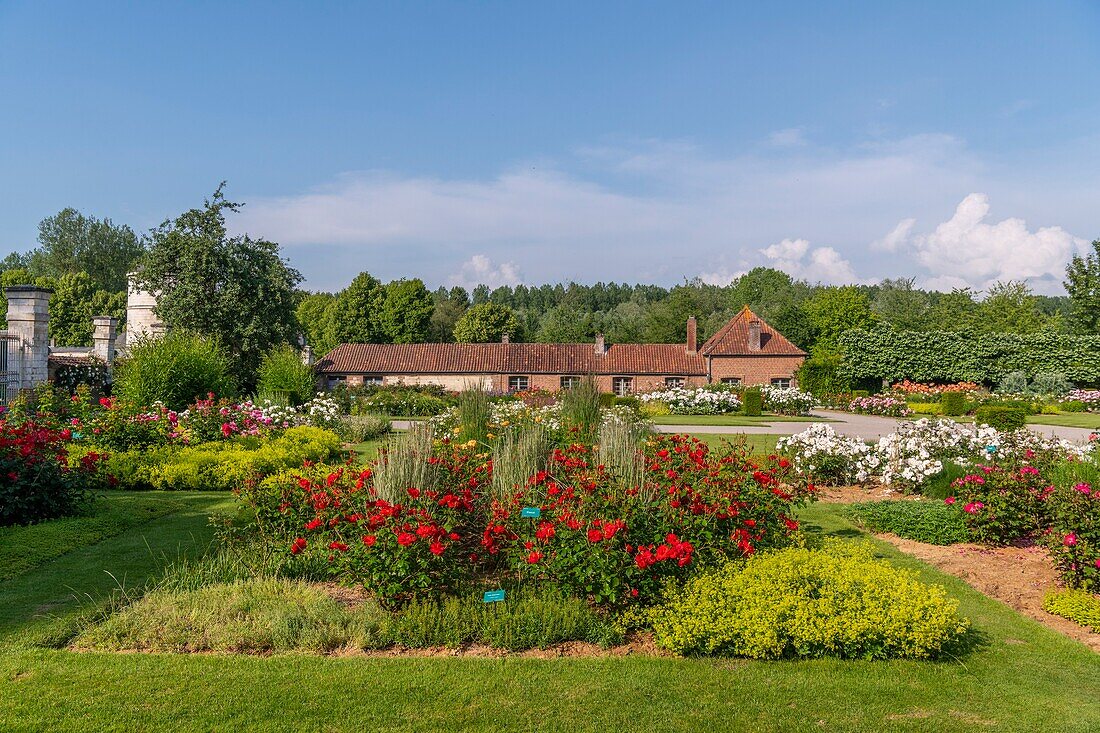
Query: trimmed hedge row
{"points": [[942, 356]]}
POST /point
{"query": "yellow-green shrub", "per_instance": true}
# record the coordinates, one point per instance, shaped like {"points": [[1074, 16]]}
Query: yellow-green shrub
{"points": [[1077, 605], [654, 409], [925, 408], [839, 602]]}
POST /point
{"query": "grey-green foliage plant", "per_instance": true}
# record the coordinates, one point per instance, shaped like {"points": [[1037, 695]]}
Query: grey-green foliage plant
{"points": [[1013, 383], [1050, 383], [174, 369], [283, 378]]}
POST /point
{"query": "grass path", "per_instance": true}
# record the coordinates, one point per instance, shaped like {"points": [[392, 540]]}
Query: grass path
{"points": [[43, 603], [1020, 677]]}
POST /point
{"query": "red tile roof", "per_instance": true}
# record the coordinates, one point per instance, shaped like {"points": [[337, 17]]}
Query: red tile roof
{"points": [[733, 339], [576, 359], [579, 359]]}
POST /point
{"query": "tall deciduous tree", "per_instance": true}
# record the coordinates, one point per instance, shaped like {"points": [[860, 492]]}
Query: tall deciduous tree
{"points": [[357, 313], [74, 301], [450, 305], [1009, 307], [314, 313], [899, 304], [406, 311], [1083, 285], [485, 323], [237, 288], [834, 310], [70, 242]]}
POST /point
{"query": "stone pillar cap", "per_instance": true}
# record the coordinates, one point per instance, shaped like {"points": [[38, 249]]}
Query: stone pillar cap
{"points": [[26, 289]]}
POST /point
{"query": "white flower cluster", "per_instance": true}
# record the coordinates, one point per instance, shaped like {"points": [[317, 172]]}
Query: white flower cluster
{"points": [[819, 451], [787, 400], [915, 452], [502, 415], [321, 412], [695, 400]]}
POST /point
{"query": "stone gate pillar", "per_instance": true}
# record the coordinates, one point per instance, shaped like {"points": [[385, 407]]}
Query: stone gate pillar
{"points": [[104, 331], [29, 319]]}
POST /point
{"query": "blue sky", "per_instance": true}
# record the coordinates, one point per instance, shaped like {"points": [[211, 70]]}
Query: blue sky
{"points": [[958, 143]]}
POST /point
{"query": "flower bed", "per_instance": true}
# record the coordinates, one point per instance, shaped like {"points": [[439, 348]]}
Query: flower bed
{"points": [[695, 400], [36, 481], [880, 405], [787, 400]]}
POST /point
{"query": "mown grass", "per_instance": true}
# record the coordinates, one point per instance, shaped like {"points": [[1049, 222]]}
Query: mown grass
{"points": [[112, 512], [1089, 420], [756, 443], [1017, 676]]}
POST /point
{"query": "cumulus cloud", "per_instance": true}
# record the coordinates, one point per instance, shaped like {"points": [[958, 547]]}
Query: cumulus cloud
{"points": [[968, 250], [824, 264], [897, 237], [480, 270]]}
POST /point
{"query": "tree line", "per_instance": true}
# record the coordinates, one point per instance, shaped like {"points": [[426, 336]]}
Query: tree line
{"points": [[240, 290]]}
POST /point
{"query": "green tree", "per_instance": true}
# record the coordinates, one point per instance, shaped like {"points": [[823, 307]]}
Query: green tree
{"points": [[406, 311], [74, 301], [449, 307], [899, 304], [236, 289], [1009, 307], [314, 315], [1083, 285], [833, 310], [69, 242], [356, 314], [486, 323], [956, 311]]}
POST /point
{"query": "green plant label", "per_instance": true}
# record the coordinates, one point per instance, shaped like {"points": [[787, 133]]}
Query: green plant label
{"points": [[530, 512], [492, 596]]}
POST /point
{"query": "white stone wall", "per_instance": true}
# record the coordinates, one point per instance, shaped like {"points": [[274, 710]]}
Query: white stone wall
{"points": [[140, 319]]}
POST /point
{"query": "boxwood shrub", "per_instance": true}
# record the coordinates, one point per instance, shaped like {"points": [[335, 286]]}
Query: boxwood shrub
{"points": [[836, 602], [753, 401], [953, 403], [1005, 419]]}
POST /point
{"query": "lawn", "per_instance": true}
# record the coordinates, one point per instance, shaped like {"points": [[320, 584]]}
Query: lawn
{"points": [[739, 420], [758, 443], [1020, 676], [1090, 420]]}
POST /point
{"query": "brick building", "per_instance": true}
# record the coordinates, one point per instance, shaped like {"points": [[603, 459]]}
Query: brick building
{"points": [[744, 351]]}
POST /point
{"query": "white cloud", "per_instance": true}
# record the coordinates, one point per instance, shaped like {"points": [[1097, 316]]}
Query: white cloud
{"points": [[789, 138], [967, 250], [656, 211], [897, 237], [480, 270], [824, 264]]}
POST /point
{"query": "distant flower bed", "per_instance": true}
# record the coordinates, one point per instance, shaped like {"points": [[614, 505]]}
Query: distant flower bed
{"points": [[880, 405], [907, 387], [695, 400], [787, 400], [1090, 398]]}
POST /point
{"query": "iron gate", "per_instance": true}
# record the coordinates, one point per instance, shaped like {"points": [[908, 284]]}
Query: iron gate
{"points": [[9, 367]]}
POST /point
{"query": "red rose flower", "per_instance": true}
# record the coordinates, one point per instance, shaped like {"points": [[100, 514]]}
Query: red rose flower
{"points": [[405, 539], [298, 545]]}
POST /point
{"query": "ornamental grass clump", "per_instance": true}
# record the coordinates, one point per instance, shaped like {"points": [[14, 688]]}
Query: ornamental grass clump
{"points": [[837, 602], [518, 454], [474, 413], [580, 407], [173, 369], [619, 448], [404, 463]]}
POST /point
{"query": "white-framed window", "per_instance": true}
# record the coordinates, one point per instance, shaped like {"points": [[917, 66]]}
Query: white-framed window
{"points": [[570, 382], [372, 379], [622, 386], [783, 382], [732, 381], [674, 381], [518, 383]]}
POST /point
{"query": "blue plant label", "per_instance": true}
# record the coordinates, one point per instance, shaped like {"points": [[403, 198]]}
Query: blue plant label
{"points": [[77, 436], [492, 596], [530, 512], [991, 449]]}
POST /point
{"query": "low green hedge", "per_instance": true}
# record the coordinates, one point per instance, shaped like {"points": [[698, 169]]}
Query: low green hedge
{"points": [[1077, 605], [753, 401], [836, 602], [953, 403], [222, 465], [924, 521], [1005, 419]]}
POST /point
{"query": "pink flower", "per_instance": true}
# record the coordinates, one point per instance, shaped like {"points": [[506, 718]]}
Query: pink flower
{"points": [[1069, 540], [973, 507], [1083, 488], [949, 500]]}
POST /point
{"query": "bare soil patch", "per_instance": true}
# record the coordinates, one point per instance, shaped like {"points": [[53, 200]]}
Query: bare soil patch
{"points": [[1016, 576], [859, 493]]}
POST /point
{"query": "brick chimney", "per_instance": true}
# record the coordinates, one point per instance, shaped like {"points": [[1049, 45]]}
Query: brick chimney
{"points": [[104, 332], [29, 320], [601, 347], [692, 336], [754, 334]]}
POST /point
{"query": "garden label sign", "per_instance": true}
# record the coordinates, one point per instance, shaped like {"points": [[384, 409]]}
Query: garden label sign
{"points": [[530, 512], [492, 596]]}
